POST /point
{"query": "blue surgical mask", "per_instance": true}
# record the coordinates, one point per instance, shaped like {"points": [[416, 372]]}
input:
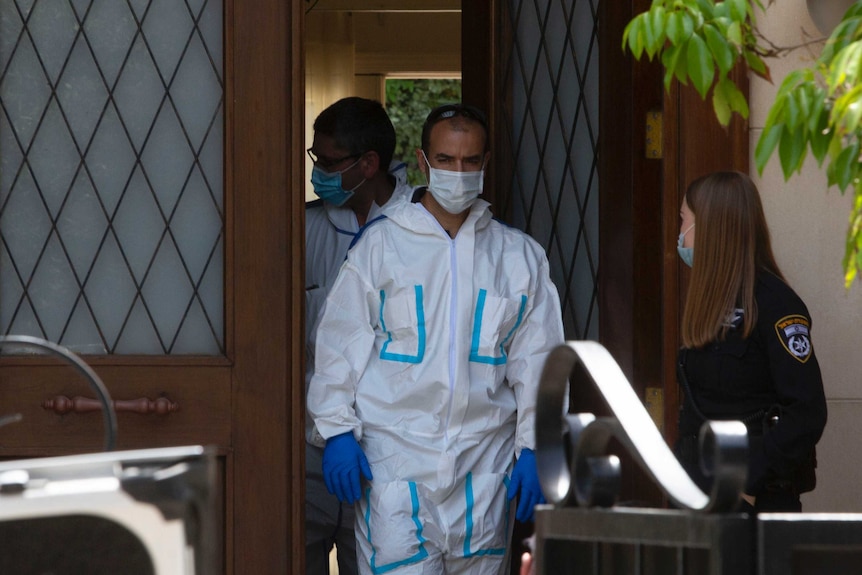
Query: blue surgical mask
{"points": [[686, 254], [327, 185]]}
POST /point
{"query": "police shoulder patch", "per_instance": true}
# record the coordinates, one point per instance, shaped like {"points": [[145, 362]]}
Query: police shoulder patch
{"points": [[792, 331]]}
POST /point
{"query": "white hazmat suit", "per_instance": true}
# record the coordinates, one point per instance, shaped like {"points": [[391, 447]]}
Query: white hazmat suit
{"points": [[329, 231], [429, 351]]}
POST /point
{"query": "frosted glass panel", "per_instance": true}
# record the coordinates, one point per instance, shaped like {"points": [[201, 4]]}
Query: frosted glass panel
{"points": [[111, 174], [552, 99]]}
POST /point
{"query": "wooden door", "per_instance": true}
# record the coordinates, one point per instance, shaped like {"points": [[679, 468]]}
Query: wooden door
{"points": [[246, 400]]}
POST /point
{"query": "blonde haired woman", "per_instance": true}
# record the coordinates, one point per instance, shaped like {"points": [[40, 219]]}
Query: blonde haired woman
{"points": [[747, 352]]}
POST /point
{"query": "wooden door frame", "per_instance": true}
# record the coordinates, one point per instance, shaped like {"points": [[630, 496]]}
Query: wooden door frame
{"points": [[265, 95]]}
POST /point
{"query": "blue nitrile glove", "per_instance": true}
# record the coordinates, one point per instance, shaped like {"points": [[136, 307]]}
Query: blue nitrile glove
{"points": [[525, 479], [343, 461]]}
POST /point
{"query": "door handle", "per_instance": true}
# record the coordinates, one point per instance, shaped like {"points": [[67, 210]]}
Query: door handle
{"points": [[61, 404]]}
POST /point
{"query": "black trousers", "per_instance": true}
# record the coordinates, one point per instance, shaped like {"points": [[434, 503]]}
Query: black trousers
{"points": [[773, 501]]}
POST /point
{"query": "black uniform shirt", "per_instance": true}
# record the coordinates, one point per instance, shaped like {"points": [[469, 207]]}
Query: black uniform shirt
{"points": [[743, 378]]}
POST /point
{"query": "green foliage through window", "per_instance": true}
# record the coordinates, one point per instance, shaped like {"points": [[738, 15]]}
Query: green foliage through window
{"points": [[408, 103]]}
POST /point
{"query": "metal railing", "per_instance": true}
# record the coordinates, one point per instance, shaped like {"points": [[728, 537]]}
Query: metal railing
{"points": [[583, 531]]}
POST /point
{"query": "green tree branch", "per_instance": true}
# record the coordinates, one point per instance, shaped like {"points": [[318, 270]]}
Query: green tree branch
{"points": [[816, 109]]}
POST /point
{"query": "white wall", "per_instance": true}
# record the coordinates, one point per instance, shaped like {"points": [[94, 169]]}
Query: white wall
{"points": [[808, 222]]}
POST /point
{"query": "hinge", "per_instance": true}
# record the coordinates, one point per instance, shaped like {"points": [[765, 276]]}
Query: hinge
{"points": [[654, 402], [654, 135]]}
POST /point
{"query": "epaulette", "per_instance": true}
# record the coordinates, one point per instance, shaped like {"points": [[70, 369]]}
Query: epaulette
{"points": [[365, 227], [397, 168]]}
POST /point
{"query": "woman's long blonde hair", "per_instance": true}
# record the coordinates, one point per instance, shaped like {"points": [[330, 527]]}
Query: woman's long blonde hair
{"points": [[731, 245]]}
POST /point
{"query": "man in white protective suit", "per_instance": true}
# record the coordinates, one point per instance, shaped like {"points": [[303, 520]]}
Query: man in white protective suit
{"points": [[353, 143], [428, 358]]}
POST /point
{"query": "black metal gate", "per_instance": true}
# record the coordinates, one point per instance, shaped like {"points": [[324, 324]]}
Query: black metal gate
{"points": [[582, 530]]}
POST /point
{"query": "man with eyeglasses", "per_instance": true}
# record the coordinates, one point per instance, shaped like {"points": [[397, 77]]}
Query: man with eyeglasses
{"points": [[437, 330], [353, 145]]}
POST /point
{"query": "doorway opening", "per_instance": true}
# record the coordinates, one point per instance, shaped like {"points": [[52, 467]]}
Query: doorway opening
{"points": [[352, 50], [408, 101]]}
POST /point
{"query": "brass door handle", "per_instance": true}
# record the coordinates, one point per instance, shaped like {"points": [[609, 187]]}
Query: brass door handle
{"points": [[61, 404]]}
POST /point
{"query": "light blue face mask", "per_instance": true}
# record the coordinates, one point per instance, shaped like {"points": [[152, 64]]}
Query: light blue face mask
{"points": [[686, 254], [327, 185]]}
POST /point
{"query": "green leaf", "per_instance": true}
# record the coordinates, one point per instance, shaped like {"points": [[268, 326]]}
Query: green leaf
{"points": [[853, 249], [766, 145], [803, 97], [841, 36], [701, 68], [673, 60], [791, 115], [648, 35], [791, 151], [726, 99], [722, 52], [752, 17], [706, 8], [735, 97], [849, 122], [820, 137], [630, 28], [635, 32], [700, 17], [721, 105], [687, 25], [836, 144], [846, 166], [756, 64], [849, 275], [776, 113], [734, 33], [845, 67], [738, 9], [818, 109], [675, 32], [722, 24], [791, 81], [847, 111], [655, 27]]}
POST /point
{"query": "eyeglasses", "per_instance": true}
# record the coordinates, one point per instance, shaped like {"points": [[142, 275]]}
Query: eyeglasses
{"points": [[456, 110], [324, 162]]}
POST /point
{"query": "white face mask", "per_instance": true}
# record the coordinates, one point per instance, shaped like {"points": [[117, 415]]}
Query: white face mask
{"points": [[454, 191]]}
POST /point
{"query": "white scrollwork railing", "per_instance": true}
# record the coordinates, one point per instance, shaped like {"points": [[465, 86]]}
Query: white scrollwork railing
{"points": [[571, 450]]}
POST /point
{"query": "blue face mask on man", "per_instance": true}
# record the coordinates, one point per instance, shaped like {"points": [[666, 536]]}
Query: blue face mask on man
{"points": [[328, 186]]}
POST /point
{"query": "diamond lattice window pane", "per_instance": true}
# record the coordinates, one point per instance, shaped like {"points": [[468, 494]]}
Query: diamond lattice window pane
{"points": [[110, 28], [552, 100], [111, 174], [139, 93], [52, 28], [53, 159], [82, 94], [25, 90]]}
